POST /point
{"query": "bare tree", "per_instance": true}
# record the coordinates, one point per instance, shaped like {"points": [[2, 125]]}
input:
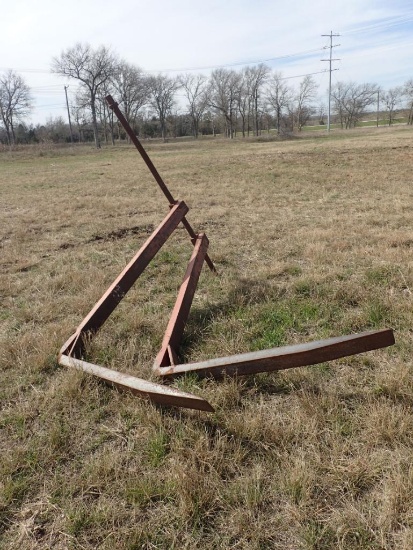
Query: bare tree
{"points": [[321, 113], [303, 101], [162, 89], [196, 92], [81, 115], [256, 77], [15, 102], [244, 102], [55, 130], [131, 89], [105, 114], [92, 68], [408, 93], [223, 96], [392, 99], [351, 100], [279, 96], [339, 95]]}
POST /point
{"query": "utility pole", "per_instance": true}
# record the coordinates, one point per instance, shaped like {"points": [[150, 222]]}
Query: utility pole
{"points": [[330, 60], [68, 114], [378, 107]]}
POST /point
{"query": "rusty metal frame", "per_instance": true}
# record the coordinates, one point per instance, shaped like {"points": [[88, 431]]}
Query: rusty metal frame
{"points": [[166, 362], [71, 352]]}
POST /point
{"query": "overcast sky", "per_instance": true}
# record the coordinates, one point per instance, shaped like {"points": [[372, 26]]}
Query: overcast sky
{"points": [[375, 42]]}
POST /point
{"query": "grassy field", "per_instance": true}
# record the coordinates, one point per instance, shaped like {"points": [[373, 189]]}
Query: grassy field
{"points": [[312, 238]]}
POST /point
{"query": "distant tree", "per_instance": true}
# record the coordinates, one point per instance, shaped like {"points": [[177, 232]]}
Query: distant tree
{"points": [[223, 96], [408, 93], [392, 99], [149, 124], [81, 115], [104, 114], [244, 99], [32, 136], [21, 133], [339, 96], [131, 88], [92, 68], [55, 130], [350, 101], [196, 91], [321, 113], [105, 118], [15, 102], [208, 124], [279, 97], [162, 90], [303, 101], [256, 77]]}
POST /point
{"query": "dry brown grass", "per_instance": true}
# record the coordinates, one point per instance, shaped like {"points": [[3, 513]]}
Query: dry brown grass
{"points": [[312, 238]]}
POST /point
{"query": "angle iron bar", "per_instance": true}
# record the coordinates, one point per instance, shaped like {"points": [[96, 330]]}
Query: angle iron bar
{"points": [[158, 393], [115, 108], [180, 312], [286, 357], [122, 284]]}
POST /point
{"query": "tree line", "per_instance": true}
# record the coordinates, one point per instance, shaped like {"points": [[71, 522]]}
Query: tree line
{"points": [[229, 102]]}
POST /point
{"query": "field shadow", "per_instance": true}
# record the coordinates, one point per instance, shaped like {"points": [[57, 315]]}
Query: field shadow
{"points": [[246, 292]]}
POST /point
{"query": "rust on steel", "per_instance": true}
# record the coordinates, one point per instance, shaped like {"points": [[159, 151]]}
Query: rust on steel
{"points": [[115, 108], [173, 334], [122, 284], [157, 393], [286, 357]]}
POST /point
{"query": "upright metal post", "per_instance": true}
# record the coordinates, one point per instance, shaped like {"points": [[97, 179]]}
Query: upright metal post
{"points": [[330, 60], [68, 115], [378, 107], [115, 108]]}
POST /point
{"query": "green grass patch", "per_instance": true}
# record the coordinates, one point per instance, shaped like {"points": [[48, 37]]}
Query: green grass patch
{"points": [[157, 448]]}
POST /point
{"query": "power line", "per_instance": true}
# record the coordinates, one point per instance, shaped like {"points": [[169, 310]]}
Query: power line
{"points": [[24, 70], [300, 75], [54, 105], [235, 63]]}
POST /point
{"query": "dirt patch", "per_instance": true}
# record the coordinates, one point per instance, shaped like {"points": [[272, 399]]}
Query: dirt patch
{"points": [[123, 232]]}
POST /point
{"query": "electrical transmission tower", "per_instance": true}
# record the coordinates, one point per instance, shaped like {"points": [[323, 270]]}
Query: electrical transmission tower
{"points": [[330, 60]]}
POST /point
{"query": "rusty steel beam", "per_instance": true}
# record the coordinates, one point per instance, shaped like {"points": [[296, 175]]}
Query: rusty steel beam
{"points": [[122, 284], [180, 312], [286, 357], [157, 393], [115, 108]]}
